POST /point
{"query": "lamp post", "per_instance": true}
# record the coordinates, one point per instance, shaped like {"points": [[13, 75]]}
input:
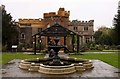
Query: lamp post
{"points": [[34, 43], [40, 44]]}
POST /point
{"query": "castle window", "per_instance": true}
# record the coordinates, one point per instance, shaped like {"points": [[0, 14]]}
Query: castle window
{"points": [[91, 25], [22, 36], [87, 40], [85, 28], [75, 28]]}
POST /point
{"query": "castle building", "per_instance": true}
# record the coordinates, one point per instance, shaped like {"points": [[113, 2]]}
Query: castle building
{"points": [[83, 28], [29, 27]]}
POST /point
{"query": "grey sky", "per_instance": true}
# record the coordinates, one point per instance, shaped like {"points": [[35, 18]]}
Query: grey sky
{"points": [[102, 11]]}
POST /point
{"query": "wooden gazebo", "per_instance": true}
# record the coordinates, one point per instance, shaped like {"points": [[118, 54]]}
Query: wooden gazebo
{"points": [[56, 30]]}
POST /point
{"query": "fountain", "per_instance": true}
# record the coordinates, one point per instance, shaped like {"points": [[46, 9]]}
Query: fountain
{"points": [[56, 59], [56, 64]]}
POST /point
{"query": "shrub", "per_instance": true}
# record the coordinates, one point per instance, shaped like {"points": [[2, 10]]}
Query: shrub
{"points": [[40, 45], [23, 47], [4, 48], [118, 47]]}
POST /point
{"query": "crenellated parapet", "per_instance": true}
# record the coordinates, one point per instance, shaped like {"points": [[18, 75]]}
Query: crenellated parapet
{"points": [[30, 23], [81, 23], [29, 20], [61, 13], [50, 14]]}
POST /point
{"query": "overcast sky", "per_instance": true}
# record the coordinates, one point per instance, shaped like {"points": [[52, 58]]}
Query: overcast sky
{"points": [[101, 11]]}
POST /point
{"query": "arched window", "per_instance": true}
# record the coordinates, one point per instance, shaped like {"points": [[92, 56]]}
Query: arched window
{"points": [[22, 36]]}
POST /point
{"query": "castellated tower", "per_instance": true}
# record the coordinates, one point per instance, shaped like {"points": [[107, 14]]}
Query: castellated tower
{"points": [[61, 17]]}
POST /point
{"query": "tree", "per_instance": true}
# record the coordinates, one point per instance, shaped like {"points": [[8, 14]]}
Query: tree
{"points": [[9, 31], [103, 36], [105, 39], [96, 36], [117, 26]]}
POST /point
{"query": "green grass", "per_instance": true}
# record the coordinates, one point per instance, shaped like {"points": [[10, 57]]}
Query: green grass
{"points": [[111, 58], [93, 51], [111, 50], [102, 51], [6, 57]]}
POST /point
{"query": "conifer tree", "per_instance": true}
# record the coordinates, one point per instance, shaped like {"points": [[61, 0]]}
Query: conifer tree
{"points": [[117, 26], [9, 31]]}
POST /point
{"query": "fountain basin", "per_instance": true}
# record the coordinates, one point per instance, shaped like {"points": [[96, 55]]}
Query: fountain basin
{"points": [[57, 69], [71, 65], [24, 65]]}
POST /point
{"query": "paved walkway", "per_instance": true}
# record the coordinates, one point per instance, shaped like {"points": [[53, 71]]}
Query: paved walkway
{"points": [[101, 70], [99, 52]]}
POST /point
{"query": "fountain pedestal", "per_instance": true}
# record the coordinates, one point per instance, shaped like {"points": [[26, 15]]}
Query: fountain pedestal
{"points": [[56, 59]]}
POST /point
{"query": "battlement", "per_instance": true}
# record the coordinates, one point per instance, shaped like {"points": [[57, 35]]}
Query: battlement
{"points": [[90, 21], [61, 12], [76, 22], [61, 9], [49, 14], [34, 23], [30, 20]]}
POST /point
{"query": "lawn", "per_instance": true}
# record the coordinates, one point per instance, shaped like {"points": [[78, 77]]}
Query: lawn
{"points": [[111, 58], [6, 57], [102, 51]]}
